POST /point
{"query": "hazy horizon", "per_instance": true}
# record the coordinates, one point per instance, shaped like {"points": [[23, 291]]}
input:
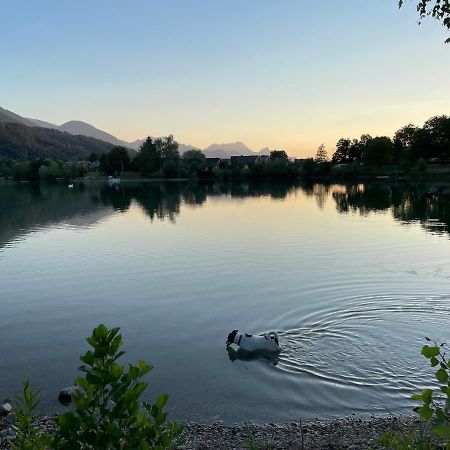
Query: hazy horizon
{"points": [[288, 76]]}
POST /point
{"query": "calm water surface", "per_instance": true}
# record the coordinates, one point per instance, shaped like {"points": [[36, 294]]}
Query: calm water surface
{"points": [[353, 277]]}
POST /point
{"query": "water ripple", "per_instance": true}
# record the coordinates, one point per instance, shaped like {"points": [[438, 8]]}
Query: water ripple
{"points": [[370, 341]]}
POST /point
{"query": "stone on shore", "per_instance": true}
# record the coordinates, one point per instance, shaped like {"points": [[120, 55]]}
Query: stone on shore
{"points": [[5, 409]]}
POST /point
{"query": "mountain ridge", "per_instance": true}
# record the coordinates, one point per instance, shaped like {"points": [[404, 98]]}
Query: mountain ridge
{"points": [[80, 128]]}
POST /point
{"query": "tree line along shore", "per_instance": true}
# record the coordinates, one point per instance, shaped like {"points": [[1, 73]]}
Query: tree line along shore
{"points": [[414, 152]]}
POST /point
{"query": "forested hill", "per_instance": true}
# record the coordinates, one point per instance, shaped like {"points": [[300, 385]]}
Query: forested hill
{"points": [[18, 141]]}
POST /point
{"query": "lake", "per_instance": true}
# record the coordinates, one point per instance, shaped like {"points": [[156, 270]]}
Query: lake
{"points": [[353, 277]]}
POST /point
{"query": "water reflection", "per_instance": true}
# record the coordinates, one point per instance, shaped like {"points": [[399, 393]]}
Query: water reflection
{"points": [[428, 205], [242, 355], [27, 207]]}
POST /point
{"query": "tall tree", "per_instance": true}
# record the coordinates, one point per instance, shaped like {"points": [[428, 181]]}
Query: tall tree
{"points": [[439, 9], [148, 160], [321, 155], [155, 154]]}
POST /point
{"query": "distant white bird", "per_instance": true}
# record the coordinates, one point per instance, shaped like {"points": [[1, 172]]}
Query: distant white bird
{"points": [[269, 342], [70, 186]]}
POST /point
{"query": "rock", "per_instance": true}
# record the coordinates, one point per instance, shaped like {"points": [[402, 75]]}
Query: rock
{"points": [[5, 409], [65, 395]]}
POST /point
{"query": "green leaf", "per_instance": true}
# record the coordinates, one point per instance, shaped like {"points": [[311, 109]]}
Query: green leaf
{"points": [[112, 333], [100, 351], [134, 372], [434, 361], [425, 412], [92, 379], [100, 332], [429, 352], [116, 371], [426, 396], [87, 358], [161, 400], [442, 375], [139, 388]]}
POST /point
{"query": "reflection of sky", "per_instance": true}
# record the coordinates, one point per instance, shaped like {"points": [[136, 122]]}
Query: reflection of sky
{"points": [[176, 289], [286, 75]]}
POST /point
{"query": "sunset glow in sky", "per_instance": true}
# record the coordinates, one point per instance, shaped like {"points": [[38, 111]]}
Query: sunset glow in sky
{"points": [[288, 74]]}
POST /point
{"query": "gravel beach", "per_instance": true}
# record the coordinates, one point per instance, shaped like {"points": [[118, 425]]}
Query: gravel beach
{"points": [[346, 433]]}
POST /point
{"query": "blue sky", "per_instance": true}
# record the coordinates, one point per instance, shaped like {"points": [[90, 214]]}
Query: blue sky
{"points": [[286, 74]]}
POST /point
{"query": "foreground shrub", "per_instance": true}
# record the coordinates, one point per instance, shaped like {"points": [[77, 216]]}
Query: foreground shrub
{"points": [[27, 436], [434, 411], [107, 412]]}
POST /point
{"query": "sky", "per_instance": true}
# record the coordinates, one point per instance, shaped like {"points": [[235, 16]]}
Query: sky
{"points": [[284, 74]]}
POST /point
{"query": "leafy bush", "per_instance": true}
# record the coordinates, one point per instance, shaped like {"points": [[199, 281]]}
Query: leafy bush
{"points": [[434, 412], [27, 436], [108, 413]]}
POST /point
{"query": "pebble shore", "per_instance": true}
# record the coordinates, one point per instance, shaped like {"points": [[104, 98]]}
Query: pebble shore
{"points": [[348, 433]]}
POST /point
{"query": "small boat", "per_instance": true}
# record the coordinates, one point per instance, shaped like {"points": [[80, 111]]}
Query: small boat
{"points": [[70, 186]]}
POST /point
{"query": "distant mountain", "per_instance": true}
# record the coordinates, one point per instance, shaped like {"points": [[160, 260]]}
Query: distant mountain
{"points": [[41, 123], [231, 149], [181, 147], [8, 116], [19, 141], [83, 129], [77, 127]]}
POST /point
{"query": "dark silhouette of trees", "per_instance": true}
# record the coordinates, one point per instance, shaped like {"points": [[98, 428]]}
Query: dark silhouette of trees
{"points": [[93, 157], [378, 152], [278, 154], [439, 9], [158, 156], [194, 161], [20, 142], [321, 155], [348, 151], [115, 161], [410, 143]]}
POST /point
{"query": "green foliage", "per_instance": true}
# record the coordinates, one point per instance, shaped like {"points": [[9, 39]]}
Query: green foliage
{"points": [[154, 154], [379, 151], [439, 9], [108, 413], [27, 436], [194, 161], [434, 410], [419, 439], [60, 169], [115, 161]]}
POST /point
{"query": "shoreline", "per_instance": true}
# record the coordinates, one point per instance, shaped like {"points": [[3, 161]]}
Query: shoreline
{"points": [[351, 432]]}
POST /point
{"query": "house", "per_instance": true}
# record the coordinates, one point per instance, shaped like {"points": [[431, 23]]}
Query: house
{"points": [[212, 163], [301, 161]]}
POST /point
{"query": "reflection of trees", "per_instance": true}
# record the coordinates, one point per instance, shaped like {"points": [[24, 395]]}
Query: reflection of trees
{"points": [[24, 207], [430, 206]]}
